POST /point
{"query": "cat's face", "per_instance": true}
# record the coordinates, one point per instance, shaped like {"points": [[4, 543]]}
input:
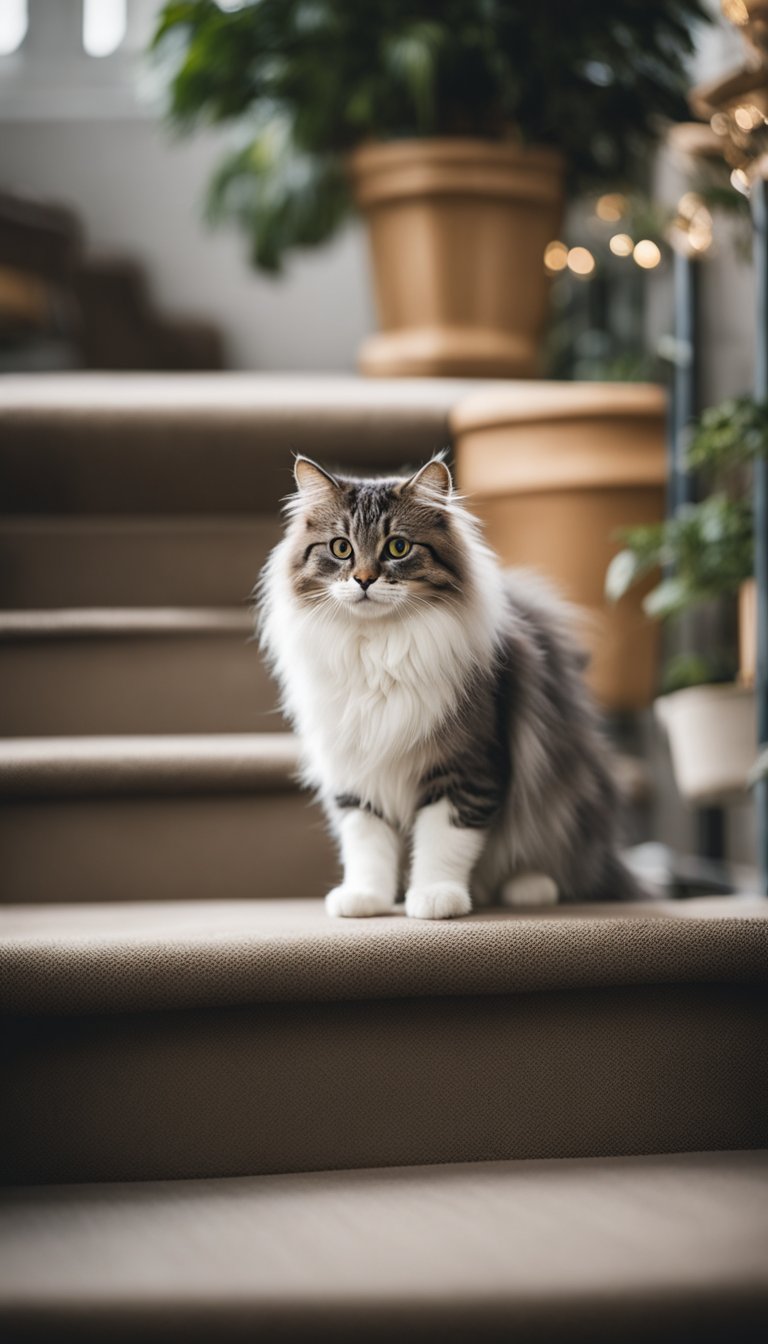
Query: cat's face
{"points": [[374, 548]]}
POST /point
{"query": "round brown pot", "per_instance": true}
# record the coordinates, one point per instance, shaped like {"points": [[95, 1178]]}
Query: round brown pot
{"points": [[553, 470], [457, 232]]}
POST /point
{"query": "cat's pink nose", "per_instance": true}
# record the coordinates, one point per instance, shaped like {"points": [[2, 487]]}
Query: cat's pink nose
{"points": [[365, 579]]}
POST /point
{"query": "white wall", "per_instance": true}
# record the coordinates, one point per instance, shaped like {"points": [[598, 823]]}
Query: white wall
{"points": [[72, 129], [140, 194], [80, 130], [726, 283]]}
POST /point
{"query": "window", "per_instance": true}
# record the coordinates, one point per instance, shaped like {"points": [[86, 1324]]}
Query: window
{"points": [[104, 24], [13, 25]]}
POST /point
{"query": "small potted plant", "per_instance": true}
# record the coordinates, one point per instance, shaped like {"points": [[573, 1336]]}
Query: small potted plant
{"points": [[706, 554], [455, 128]]}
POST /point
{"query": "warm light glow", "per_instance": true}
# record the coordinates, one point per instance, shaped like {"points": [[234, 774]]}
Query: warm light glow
{"points": [[556, 256], [698, 220], [621, 245], [700, 237], [740, 181], [735, 11], [691, 231], [646, 254], [719, 123], [104, 23], [611, 207], [581, 261], [748, 117], [13, 25]]}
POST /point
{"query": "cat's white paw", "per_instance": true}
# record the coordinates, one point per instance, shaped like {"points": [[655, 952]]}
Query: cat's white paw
{"points": [[532, 889], [351, 903], [438, 900]]}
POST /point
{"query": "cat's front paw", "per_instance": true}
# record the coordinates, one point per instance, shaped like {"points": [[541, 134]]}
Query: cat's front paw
{"points": [[352, 903], [438, 900]]}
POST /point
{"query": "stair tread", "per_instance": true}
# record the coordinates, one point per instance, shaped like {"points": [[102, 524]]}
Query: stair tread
{"points": [[209, 444], [124, 957], [71, 767], [69, 622], [611, 1247], [184, 395]]}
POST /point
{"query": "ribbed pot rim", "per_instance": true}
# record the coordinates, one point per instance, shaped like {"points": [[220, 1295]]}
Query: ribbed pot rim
{"points": [[707, 693], [720, 93], [545, 401], [383, 172], [452, 150], [695, 139]]}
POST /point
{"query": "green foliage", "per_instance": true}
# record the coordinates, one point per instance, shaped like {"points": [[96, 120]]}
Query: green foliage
{"points": [[694, 669], [593, 80], [281, 200], [729, 435], [706, 548]]}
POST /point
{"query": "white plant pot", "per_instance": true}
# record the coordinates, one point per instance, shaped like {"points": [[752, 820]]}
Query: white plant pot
{"points": [[712, 734]]}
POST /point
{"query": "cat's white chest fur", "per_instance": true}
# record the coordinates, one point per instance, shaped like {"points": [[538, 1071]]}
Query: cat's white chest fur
{"points": [[366, 700], [368, 695]]}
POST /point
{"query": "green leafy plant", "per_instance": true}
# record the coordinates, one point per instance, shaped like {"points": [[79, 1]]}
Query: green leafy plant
{"points": [[729, 435], [308, 80], [706, 550]]}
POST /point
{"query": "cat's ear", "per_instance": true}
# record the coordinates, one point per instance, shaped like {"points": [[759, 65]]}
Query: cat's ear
{"points": [[310, 478], [434, 478]]}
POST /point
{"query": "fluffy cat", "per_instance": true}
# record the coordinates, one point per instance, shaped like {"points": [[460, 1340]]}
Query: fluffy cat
{"points": [[439, 704]]}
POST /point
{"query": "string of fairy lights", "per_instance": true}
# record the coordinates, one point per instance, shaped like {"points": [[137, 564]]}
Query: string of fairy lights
{"points": [[688, 229]]}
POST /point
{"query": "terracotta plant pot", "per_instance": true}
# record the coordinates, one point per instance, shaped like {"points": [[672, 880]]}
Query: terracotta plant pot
{"points": [[747, 632], [553, 470], [457, 233], [712, 737], [751, 17]]}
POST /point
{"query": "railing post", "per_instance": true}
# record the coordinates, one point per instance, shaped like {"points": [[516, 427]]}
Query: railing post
{"points": [[685, 390], [759, 201], [710, 821]]}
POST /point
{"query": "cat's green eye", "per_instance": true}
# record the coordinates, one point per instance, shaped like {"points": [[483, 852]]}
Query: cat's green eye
{"points": [[397, 548], [341, 548]]}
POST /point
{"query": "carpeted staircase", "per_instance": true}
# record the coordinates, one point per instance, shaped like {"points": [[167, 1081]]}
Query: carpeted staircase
{"points": [[226, 1116]]}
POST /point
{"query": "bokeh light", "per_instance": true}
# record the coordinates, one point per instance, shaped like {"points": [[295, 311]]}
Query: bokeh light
{"points": [[556, 256], [581, 261], [747, 117], [647, 254], [740, 181], [621, 245], [611, 207]]}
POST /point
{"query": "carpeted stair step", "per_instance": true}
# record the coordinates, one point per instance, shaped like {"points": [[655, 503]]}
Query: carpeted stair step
{"points": [[158, 818], [103, 561], [181, 1041], [667, 1247], [120, 670], [197, 444]]}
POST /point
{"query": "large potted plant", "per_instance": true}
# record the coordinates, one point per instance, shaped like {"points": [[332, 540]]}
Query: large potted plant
{"points": [[553, 470], [455, 127], [706, 554]]}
